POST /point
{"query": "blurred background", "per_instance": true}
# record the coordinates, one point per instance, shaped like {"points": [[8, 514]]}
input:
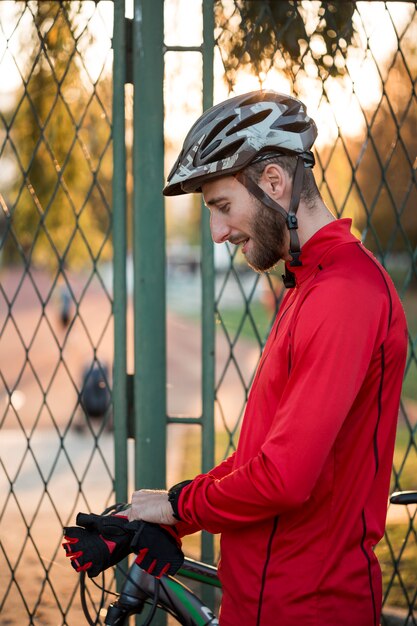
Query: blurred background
{"points": [[127, 342]]}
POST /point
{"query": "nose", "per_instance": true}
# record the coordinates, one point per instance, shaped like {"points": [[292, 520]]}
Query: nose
{"points": [[218, 227]]}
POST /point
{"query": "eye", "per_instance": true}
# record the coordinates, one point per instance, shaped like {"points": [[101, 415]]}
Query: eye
{"points": [[224, 208]]}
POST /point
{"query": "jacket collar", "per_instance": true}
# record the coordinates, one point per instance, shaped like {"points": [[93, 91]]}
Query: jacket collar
{"points": [[324, 240]]}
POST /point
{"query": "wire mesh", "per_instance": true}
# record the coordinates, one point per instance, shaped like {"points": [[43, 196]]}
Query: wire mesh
{"points": [[354, 64], [56, 327]]}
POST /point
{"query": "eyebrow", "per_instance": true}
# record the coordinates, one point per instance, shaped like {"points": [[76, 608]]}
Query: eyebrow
{"points": [[214, 201]]}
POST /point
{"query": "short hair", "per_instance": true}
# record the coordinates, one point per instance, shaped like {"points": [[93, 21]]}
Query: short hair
{"points": [[309, 192]]}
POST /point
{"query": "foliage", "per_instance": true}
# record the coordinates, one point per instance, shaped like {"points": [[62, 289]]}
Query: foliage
{"points": [[258, 29], [386, 167], [58, 146], [371, 179]]}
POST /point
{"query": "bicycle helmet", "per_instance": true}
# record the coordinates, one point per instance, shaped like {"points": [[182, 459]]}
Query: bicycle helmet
{"points": [[234, 133], [243, 130]]}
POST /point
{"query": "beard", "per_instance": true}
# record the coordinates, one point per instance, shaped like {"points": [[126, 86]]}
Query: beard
{"points": [[268, 239]]}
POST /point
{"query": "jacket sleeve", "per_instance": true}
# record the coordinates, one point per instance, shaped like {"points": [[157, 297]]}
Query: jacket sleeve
{"points": [[221, 470], [335, 336], [224, 468]]}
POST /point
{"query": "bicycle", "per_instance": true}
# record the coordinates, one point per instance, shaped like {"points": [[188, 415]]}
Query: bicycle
{"points": [[168, 593]]}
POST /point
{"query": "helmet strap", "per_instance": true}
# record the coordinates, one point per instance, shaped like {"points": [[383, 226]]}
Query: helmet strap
{"points": [[292, 222], [290, 216]]}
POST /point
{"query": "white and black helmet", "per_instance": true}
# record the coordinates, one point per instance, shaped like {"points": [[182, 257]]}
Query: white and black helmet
{"points": [[238, 131]]}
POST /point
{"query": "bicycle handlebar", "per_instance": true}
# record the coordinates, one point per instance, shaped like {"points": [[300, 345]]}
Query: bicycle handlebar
{"points": [[138, 587], [404, 497], [168, 592]]}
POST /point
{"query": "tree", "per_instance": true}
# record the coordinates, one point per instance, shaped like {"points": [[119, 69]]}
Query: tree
{"points": [[372, 178], [59, 143], [385, 171], [259, 33]]}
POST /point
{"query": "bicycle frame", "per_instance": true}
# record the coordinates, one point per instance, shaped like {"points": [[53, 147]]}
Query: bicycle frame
{"points": [[173, 596]]}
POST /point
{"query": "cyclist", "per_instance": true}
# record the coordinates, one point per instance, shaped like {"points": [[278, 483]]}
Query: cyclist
{"points": [[302, 502]]}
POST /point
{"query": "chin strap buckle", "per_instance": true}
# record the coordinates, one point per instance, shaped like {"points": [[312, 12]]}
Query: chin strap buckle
{"points": [[295, 250], [292, 222], [295, 261], [288, 279]]}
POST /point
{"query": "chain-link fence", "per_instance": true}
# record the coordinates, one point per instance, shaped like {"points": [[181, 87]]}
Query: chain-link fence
{"points": [[355, 66], [56, 326]]}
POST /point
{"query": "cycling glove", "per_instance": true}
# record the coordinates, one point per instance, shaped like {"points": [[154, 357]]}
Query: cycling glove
{"points": [[100, 541]]}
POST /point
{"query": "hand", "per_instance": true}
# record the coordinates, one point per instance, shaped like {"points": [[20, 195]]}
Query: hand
{"points": [[151, 506]]}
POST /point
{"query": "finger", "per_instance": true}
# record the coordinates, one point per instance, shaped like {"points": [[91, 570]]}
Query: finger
{"points": [[69, 549], [164, 570], [73, 556], [87, 520], [70, 539], [141, 555], [84, 568], [146, 561], [152, 566]]}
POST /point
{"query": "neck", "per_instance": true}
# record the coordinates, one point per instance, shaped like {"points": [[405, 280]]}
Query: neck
{"points": [[312, 219]]}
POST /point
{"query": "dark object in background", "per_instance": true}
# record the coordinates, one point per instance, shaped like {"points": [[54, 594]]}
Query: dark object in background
{"points": [[95, 398], [65, 307]]}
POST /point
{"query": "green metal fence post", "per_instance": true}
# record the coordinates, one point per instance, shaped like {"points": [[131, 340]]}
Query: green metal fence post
{"points": [[149, 246], [120, 407], [208, 296]]}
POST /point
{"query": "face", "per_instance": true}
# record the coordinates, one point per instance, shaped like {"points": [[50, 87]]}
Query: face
{"points": [[236, 216]]}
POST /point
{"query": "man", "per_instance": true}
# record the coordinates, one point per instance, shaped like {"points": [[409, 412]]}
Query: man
{"points": [[302, 502]]}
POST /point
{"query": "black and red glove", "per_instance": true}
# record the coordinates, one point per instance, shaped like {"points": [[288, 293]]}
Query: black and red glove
{"points": [[100, 541], [158, 548]]}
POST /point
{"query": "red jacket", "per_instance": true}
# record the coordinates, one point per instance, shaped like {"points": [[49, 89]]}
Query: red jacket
{"points": [[302, 502]]}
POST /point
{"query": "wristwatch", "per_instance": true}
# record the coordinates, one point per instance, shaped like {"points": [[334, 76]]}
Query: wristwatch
{"points": [[174, 494]]}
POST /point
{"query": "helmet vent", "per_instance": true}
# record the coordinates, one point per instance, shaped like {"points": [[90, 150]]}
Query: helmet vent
{"points": [[210, 148], [249, 121], [291, 127], [216, 131], [229, 150]]}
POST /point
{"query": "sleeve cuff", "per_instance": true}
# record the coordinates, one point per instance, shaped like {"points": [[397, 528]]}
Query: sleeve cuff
{"points": [[174, 494]]}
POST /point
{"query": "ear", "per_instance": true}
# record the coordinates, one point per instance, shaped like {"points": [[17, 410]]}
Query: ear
{"points": [[273, 180]]}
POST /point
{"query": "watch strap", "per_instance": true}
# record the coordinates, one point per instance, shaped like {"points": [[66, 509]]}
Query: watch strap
{"points": [[174, 494]]}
